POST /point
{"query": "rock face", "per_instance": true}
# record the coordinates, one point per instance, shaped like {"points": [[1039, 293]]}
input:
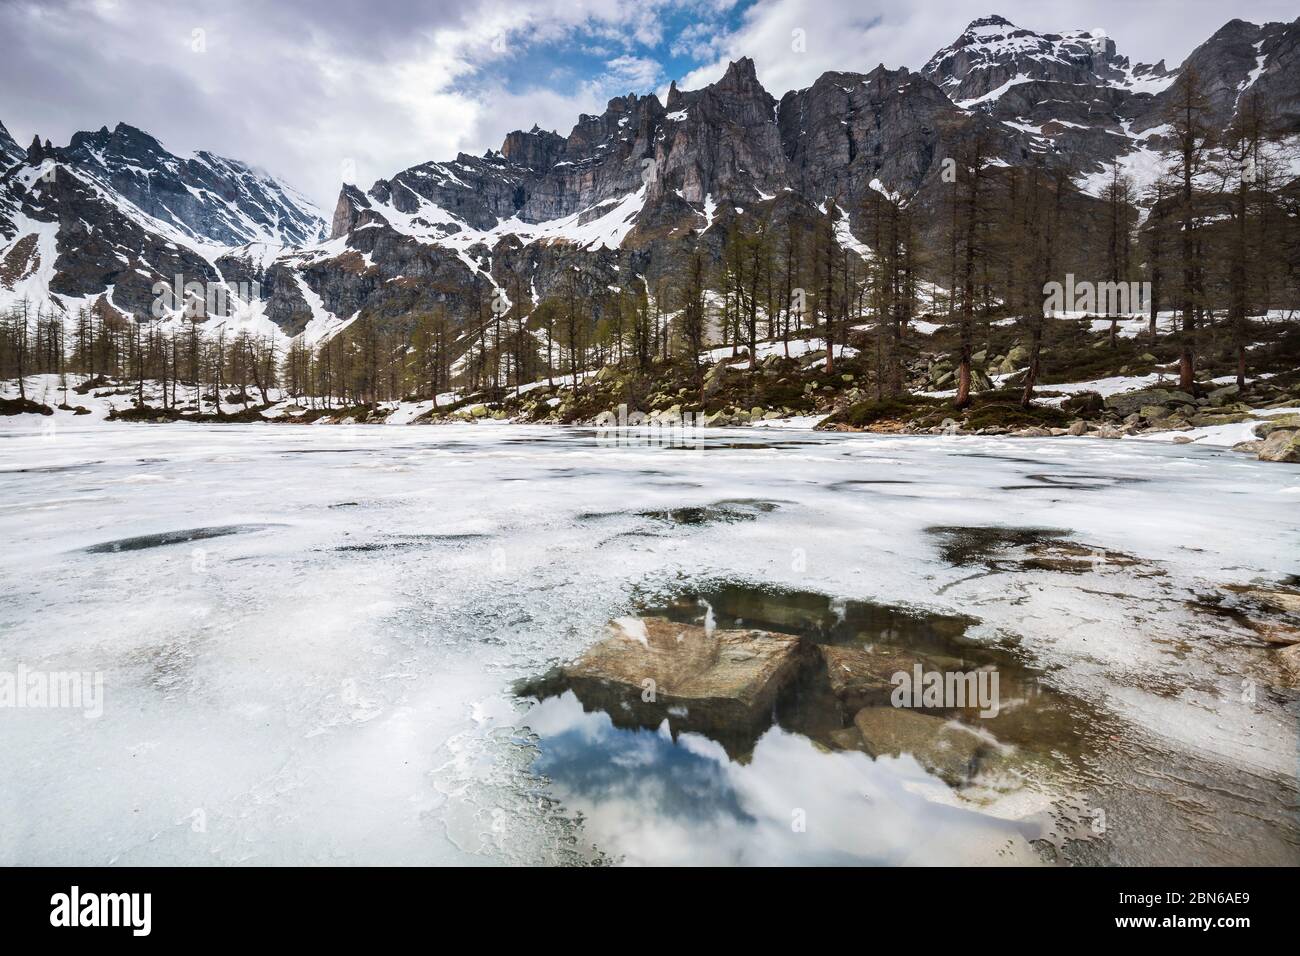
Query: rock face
{"points": [[1242, 56], [890, 127]]}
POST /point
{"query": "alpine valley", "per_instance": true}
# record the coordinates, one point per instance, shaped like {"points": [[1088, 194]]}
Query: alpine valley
{"points": [[723, 216]]}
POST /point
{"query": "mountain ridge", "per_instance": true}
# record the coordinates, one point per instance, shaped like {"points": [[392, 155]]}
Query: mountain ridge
{"points": [[626, 193]]}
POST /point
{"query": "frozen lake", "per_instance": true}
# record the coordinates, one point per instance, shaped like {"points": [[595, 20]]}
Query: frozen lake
{"points": [[310, 639]]}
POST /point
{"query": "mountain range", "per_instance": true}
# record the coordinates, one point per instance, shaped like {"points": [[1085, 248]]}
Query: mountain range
{"points": [[622, 198]]}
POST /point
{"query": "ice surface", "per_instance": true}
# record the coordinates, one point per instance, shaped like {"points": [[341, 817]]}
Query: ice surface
{"points": [[330, 682]]}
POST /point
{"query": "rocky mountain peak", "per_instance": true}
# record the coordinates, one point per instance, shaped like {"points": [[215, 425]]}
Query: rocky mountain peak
{"points": [[991, 22], [10, 151], [992, 53], [1241, 55], [202, 195], [537, 149], [741, 75]]}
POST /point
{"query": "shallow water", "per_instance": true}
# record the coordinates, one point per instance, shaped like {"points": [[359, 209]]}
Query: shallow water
{"points": [[327, 672]]}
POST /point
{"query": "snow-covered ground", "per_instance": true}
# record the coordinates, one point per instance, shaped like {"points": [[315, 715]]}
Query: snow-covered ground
{"points": [[328, 679]]}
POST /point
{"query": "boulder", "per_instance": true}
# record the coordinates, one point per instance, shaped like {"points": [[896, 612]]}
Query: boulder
{"points": [[1126, 403], [1078, 428], [1277, 423], [1221, 396], [1084, 404], [719, 682], [1210, 418], [1281, 446]]}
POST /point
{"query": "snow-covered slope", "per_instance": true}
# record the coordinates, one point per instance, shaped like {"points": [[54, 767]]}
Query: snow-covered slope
{"points": [[10, 151], [202, 195], [1077, 100], [98, 223]]}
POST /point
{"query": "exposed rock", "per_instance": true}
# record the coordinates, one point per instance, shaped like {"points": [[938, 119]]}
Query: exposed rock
{"points": [[1278, 633], [1281, 446], [715, 679], [1274, 598], [1221, 396], [1277, 423], [1288, 660], [1126, 403]]}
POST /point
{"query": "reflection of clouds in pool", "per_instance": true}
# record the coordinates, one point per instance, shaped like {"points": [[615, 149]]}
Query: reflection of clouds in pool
{"points": [[651, 800]]}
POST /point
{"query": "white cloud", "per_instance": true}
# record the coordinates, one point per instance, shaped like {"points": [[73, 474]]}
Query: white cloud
{"points": [[634, 72]]}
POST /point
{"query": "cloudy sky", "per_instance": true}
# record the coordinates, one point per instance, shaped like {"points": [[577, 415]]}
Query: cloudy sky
{"points": [[318, 91]]}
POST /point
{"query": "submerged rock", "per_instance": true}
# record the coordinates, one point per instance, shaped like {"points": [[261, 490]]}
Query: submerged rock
{"points": [[719, 682], [862, 677], [950, 750]]}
